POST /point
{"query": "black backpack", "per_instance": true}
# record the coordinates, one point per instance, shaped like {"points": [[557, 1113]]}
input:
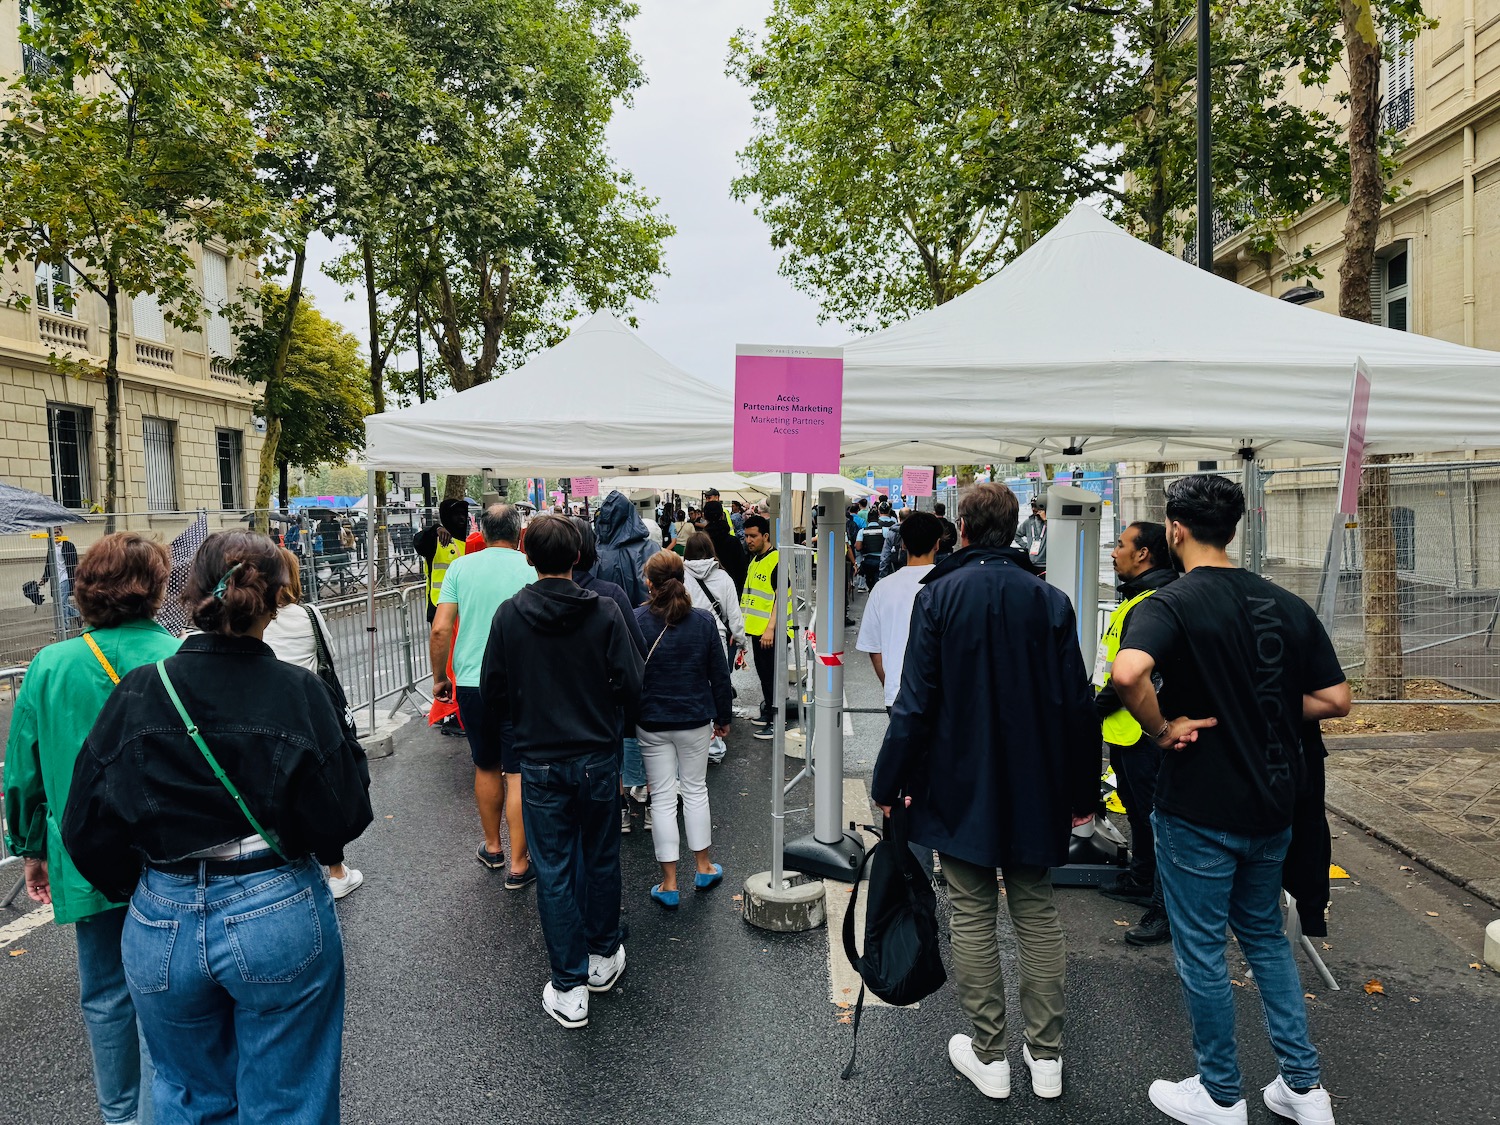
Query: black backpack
{"points": [[901, 963]]}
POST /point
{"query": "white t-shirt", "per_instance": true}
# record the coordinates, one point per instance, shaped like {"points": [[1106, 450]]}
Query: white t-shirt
{"points": [[290, 635], [887, 621]]}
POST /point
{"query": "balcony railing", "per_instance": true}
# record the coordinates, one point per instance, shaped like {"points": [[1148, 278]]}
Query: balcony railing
{"points": [[62, 333], [154, 355], [1397, 113], [220, 371], [37, 64]]}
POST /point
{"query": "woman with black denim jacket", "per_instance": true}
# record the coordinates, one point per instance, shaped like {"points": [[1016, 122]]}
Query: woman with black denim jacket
{"points": [[231, 947]]}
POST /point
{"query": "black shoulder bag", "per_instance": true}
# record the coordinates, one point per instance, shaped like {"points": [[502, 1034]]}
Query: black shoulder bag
{"points": [[329, 675]]}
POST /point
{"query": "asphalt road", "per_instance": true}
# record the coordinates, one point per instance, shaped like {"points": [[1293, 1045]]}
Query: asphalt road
{"points": [[717, 1022]]}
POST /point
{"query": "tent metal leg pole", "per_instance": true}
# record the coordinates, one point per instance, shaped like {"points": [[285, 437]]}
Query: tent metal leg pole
{"points": [[373, 533]]}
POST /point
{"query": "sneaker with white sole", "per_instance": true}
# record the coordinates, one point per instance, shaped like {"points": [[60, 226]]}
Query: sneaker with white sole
{"points": [[992, 1078], [639, 794], [570, 1008], [605, 971], [351, 882], [624, 820], [1188, 1101], [1312, 1108], [1046, 1074], [646, 820]]}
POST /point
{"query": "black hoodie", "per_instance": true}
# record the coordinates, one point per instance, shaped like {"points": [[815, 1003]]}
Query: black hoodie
{"points": [[559, 663]]}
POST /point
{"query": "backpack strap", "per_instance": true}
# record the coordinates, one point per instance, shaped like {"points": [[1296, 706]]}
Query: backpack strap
{"points": [[213, 763], [109, 670]]}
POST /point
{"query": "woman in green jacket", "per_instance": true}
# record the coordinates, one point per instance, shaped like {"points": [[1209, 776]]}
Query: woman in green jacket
{"points": [[118, 587]]}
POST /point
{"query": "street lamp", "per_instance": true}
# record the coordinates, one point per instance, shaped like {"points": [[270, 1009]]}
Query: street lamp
{"points": [[1302, 295], [1205, 146]]}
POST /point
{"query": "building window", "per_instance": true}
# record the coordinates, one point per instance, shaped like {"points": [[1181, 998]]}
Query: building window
{"points": [[55, 291], [146, 318], [215, 301], [37, 64], [1398, 108], [231, 478], [1390, 287], [161, 465], [68, 442]]}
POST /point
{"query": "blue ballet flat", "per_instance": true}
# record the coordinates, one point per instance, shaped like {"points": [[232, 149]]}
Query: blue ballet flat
{"points": [[703, 882], [668, 899]]}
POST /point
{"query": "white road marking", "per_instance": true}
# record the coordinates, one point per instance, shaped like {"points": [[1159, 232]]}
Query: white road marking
{"points": [[843, 981], [15, 931]]}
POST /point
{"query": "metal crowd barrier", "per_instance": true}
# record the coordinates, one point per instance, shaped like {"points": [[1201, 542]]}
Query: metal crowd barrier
{"points": [[403, 667]]}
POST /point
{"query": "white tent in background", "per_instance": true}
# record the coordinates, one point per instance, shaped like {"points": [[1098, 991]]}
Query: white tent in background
{"points": [[730, 485], [601, 403], [853, 489], [1094, 345]]}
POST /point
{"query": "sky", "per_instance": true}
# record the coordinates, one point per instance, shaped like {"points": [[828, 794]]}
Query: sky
{"points": [[679, 138]]}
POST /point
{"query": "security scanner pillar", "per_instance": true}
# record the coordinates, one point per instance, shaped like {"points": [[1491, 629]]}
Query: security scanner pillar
{"points": [[830, 851], [1096, 851]]}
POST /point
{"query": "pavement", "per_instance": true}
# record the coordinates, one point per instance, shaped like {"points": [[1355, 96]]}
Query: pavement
{"points": [[715, 1022]]}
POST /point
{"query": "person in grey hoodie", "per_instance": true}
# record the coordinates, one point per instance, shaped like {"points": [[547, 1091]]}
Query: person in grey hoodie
{"points": [[552, 635], [711, 588], [624, 546]]}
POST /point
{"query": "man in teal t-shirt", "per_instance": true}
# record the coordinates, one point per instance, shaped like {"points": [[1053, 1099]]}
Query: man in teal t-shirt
{"points": [[473, 589]]}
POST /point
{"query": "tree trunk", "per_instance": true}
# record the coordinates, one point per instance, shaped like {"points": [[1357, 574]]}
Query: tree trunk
{"points": [[112, 405], [1156, 492], [1382, 594], [269, 461], [455, 486], [378, 545], [282, 488]]}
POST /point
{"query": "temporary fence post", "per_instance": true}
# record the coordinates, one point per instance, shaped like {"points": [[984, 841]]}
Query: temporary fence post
{"points": [[374, 528], [778, 677]]}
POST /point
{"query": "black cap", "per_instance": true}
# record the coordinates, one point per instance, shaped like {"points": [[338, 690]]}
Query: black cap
{"points": [[707, 492], [1038, 500]]}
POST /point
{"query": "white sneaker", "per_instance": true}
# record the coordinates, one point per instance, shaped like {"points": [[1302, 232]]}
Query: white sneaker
{"points": [[605, 971], [570, 1008], [1312, 1108], [646, 820], [639, 794], [992, 1078], [1188, 1101], [1046, 1074], [353, 879]]}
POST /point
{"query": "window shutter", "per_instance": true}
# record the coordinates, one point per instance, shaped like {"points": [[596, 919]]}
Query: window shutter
{"points": [[1377, 292], [215, 299], [146, 315]]}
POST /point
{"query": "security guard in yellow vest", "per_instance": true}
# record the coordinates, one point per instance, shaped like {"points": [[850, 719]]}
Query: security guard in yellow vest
{"points": [[758, 603], [1144, 566], [439, 546]]}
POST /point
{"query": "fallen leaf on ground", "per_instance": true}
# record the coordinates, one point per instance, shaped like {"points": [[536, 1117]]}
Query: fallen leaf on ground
{"points": [[390, 816], [1374, 988], [1475, 965], [1121, 922], [1327, 946], [846, 1019], [739, 898], [1237, 983], [1308, 996], [847, 991], [1414, 1000], [842, 1004], [1405, 868], [17, 952], [1433, 914]]}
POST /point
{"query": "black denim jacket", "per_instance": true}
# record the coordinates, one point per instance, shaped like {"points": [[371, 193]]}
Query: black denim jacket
{"points": [[142, 790]]}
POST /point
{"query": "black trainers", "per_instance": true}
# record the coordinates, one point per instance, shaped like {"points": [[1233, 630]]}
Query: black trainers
{"points": [[1127, 888], [493, 860], [1153, 929], [520, 880]]}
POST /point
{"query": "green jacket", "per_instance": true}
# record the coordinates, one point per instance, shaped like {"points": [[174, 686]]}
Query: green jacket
{"points": [[64, 690]]}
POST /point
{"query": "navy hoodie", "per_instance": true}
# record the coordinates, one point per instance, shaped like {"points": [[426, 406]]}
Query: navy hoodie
{"points": [[624, 546]]}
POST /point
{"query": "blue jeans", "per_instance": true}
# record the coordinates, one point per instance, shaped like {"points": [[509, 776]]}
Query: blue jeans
{"points": [[633, 770], [238, 982], [1213, 879], [122, 1064], [572, 814]]}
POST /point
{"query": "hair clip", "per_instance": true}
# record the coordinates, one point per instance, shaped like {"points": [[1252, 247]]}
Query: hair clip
{"points": [[224, 582]]}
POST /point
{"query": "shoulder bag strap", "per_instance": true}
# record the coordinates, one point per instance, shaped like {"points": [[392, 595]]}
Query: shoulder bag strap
{"points": [[213, 763], [855, 959], [718, 608], [320, 643], [659, 636], [109, 670]]}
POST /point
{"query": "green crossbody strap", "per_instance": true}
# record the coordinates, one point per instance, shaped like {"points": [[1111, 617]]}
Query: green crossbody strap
{"points": [[213, 763]]}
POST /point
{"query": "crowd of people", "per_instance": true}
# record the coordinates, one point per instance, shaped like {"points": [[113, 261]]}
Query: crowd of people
{"points": [[213, 783]]}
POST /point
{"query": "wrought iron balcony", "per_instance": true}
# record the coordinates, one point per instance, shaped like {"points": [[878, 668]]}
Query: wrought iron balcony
{"points": [[1397, 113], [38, 64]]}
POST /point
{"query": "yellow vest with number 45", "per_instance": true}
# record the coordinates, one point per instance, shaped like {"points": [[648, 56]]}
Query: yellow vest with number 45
{"points": [[1120, 728], [758, 602]]}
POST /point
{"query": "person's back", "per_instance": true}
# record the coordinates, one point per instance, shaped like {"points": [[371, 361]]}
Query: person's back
{"points": [[624, 545], [711, 589], [479, 584]]}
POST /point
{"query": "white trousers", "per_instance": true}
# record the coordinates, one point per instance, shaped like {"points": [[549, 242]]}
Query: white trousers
{"points": [[677, 761]]}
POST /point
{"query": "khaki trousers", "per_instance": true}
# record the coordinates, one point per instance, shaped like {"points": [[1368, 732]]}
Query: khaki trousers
{"points": [[975, 897]]}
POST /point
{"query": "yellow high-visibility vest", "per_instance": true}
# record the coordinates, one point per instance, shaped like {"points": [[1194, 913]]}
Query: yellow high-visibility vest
{"points": [[442, 558], [758, 602], [1120, 728]]}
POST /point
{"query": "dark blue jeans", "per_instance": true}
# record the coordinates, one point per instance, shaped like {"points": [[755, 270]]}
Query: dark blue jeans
{"points": [[122, 1063], [238, 983], [572, 813], [1213, 879]]}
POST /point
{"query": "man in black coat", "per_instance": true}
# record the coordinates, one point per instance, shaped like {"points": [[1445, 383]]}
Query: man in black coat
{"points": [[994, 743]]}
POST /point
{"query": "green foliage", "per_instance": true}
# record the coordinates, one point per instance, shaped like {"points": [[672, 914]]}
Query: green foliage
{"points": [[335, 480], [322, 396]]}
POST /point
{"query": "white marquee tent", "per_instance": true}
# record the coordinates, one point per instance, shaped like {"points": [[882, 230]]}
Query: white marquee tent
{"points": [[601, 403], [1094, 341]]}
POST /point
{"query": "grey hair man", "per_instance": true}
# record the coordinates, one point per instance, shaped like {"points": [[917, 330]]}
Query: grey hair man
{"points": [[473, 589]]}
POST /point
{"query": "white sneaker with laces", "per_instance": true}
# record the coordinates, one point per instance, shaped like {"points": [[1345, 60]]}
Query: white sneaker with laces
{"points": [[570, 1008], [624, 820], [646, 820], [639, 794], [1046, 1074], [992, 1078], [1188, 1101], [353, 879], [605, 971], [1312, 1108]]}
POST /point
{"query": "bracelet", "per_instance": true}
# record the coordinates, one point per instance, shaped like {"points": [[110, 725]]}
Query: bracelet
{"points": [[1166, 726]]}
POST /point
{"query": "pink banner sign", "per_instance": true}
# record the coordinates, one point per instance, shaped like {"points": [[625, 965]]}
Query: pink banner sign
{"points": [[788, 409], [585, 486], [917, 480], [1354, 441]]}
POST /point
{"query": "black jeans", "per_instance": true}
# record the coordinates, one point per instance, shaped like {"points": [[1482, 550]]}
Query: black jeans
{"points": [[1135, 769], [765, 668], [571, 808]]}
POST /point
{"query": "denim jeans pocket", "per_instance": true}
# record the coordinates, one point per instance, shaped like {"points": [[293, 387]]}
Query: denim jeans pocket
{"points": [[274, 944], [1191, 847], [602, 779], [1273, 849], [146, 951]]}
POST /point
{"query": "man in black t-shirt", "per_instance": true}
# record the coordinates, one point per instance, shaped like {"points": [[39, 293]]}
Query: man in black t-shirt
{"points": [[1244, 663]]}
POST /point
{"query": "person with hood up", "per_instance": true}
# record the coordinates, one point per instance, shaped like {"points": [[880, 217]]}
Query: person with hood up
{"points": [[710, 587], [550, 633], [624, 546], [727, 546]]}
